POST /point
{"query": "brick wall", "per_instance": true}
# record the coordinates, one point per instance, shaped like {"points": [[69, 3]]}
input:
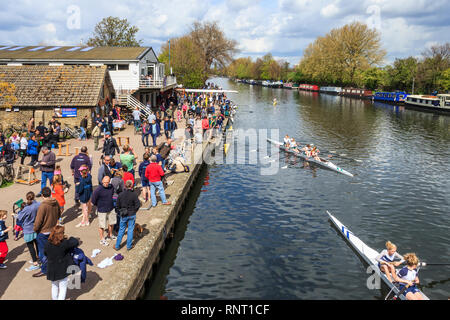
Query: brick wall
{"points": [[43, 114]]}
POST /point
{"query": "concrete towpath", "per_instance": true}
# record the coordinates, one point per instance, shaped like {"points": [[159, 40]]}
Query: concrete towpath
{"points": [[114, 282]]}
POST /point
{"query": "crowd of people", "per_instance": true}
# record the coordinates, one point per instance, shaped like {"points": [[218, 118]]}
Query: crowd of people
{"points": [[116, 198]]}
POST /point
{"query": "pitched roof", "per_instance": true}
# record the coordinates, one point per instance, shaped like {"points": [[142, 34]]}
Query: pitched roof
{"points": [[71, 53], [53, 86]]}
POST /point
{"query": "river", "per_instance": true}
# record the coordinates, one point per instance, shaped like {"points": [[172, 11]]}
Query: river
{"points": [[246, 235]]}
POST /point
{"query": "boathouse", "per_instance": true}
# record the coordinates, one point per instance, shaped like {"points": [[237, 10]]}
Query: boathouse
{"points": [[66, 92], [136, 73]]}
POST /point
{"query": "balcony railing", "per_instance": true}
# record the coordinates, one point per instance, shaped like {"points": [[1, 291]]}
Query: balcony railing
{"points": [[157, 84]]}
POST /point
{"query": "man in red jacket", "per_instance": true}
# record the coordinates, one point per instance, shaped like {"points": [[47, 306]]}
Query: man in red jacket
{"points": [[154, 173]]}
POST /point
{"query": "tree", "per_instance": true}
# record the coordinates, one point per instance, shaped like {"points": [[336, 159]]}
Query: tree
{"points": [[444, 81], [114, 32], [342, 54], [436, 60], [403, 73], [186, 61], [213, 44]]}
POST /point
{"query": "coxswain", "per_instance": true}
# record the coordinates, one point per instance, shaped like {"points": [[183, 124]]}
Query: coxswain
{"points": [[386, 261]]}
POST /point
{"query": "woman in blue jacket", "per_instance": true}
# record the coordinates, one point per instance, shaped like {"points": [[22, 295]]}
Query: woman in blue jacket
{"points": [[84, 189], [32, 150]]}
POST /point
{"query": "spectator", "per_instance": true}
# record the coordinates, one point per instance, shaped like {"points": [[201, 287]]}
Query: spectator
{"points": [[57, 250], [119, 186], [137, 118], [84, 190], [3, 237], [102, 198], [26, 218], [128, 204], [81, 159], [30, 126], [23, 148], [164, 150], [110, 146], [154, 173], [167, 127], [98, 120], [172, 127], [127, 175], [155, 131], [110, 123], [58, 191], [145, 133], [97, 133], [47, 168], [47, 218], [128, 158], [205, 125], [105, 169], [145, 183], [83, 128], [41, 128], [115, 166], [32, 150]]}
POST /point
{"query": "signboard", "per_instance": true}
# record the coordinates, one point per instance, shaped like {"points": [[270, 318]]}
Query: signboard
{"points": [[66, 112]]}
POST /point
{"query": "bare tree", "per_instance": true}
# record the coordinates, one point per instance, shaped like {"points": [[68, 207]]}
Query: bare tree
{"points": [[211, 40]]}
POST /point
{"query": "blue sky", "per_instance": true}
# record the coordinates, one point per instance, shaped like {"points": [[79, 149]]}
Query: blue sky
{"points": [[283, 27]]}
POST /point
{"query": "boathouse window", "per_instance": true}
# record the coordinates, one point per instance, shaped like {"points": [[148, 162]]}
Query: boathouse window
{"points": [[112, 67], [123, 67]]}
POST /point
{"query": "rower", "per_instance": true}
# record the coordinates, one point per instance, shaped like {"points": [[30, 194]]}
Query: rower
{"points": [[307, 150], [409, 279], [315, 153], [293, 146], [386, 261], [287, 141]]}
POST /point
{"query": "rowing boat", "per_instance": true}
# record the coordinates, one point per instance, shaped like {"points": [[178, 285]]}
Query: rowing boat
{"points": [[325, 164], [369, 255]]}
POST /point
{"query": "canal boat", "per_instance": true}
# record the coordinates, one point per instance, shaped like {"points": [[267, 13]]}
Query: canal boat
{"points": [[356, 93], [330, 90], [390, 97], [277, 84], [325, 164], [288, 85], [440, 102], [308, 87], [368, 255], [266, 83]]}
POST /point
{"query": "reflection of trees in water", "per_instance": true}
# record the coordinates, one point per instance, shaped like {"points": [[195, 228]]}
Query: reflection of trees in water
{"points": [[339, 120]]}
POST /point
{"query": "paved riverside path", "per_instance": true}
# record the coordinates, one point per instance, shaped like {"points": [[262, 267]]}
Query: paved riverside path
{"points": [[16, 283]]}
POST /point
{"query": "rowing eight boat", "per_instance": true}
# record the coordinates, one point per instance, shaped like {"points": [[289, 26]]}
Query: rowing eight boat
{"points": [[368, 254], [325, 164]]}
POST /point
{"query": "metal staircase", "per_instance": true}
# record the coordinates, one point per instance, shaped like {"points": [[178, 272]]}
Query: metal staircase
{"points": [[132, 103]]}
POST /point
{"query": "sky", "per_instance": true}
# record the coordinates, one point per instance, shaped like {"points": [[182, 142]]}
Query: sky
{"points": [[281, 27]]}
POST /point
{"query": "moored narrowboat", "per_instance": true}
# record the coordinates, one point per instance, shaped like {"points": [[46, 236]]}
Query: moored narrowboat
{"points": [[356, 93], [390, 97], [308, 87], [441, 102], [330, 90]]}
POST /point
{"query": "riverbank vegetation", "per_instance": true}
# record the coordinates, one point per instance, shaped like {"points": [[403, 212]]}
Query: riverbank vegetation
{"points": [[196, 55], [352, 56]]}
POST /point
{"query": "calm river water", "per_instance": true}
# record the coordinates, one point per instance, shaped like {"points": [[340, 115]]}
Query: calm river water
{"points": [[250, 236]]}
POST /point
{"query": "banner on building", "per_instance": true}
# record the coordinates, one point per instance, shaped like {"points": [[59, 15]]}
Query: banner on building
{"points": [[65, 112]]}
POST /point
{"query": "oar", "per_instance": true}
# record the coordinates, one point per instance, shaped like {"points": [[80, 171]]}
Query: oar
{"points": [[426, 264]]}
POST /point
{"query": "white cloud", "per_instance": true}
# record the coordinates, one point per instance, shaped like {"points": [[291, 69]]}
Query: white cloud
{"points": [[284, 27]]}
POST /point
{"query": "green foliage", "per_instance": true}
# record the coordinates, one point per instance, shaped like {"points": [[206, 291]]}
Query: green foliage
{"points": [[444, 81], [114, 32]]}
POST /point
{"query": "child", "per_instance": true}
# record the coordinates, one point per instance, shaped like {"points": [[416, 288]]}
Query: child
{"points": [[127, 175], [58, 192], [65, 184], [18, 227], [3, 236]]}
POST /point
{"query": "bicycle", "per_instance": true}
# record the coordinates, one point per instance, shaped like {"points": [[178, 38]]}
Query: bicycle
{"points": [[8, 172], [10, 130], [69, 133]]}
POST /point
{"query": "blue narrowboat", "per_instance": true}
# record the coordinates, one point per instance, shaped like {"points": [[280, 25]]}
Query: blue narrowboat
{"points": [[392, 97]]}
